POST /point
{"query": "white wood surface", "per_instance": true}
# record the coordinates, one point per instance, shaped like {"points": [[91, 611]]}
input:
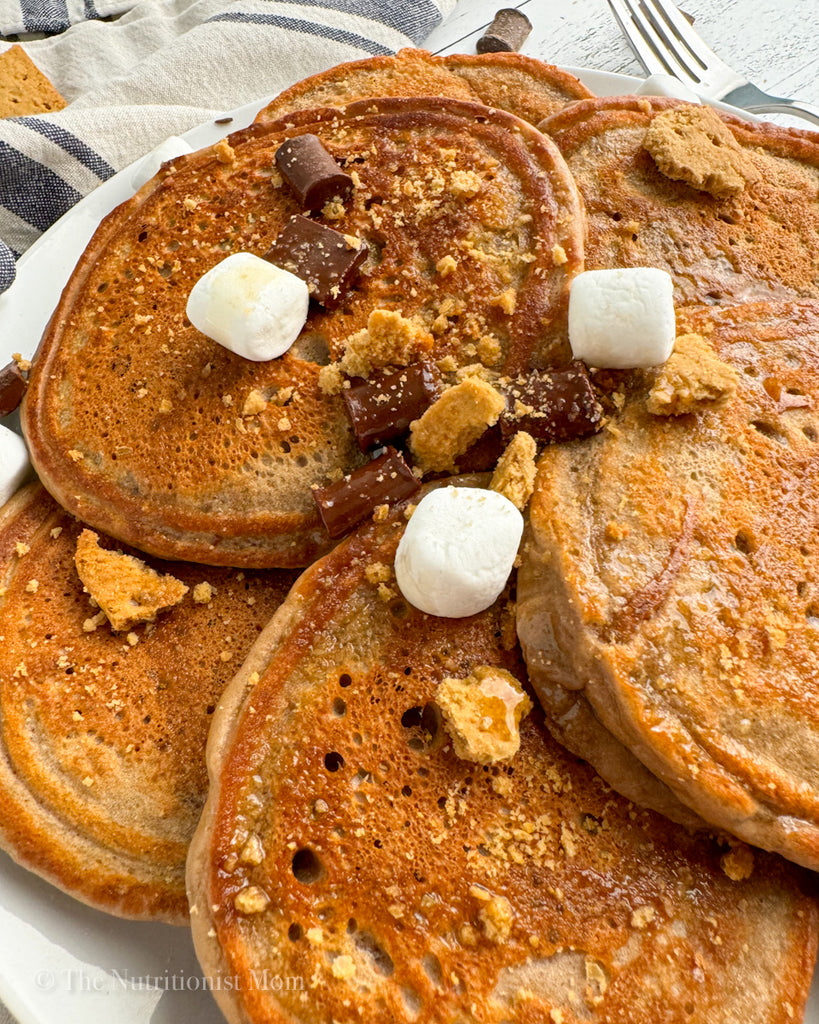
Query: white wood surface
{"points": [[775, 43]]}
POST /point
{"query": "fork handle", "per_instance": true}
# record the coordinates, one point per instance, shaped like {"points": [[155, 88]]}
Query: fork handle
{"points": [[795, 107], [755, 101]]}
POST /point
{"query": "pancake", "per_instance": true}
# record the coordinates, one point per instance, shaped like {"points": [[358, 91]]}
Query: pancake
{"points": [[669, 579], [755, 245], [522, 85], [380, 877], [102, 734], [135, 420]]}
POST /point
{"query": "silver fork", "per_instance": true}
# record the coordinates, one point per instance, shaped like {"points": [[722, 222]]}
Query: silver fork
{"points": [[664, 42]]}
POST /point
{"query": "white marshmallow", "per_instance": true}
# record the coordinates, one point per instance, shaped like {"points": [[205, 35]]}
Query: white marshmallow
{"points": [[14, 464], [622, 318], [458, 550], [250, 306], [150, 164], [666, 85]]}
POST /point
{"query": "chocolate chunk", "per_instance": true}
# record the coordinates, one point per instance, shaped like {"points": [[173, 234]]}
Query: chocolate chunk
{"points": [[384, 481], [507, 32], [320, 256], [562, 403], [311, 172], [12, 388], [383, 407]]}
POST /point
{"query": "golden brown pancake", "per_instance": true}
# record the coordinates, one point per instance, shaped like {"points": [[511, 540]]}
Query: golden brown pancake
{"points": [[102, 734], [135, 421], [669, 582], [347, 852], [758, 244], [522, 85]]}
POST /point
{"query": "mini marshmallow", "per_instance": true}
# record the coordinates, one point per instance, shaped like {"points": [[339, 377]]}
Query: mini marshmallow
{"points": [[151, 163], [250, 306], [666, 85], [458, 550], [622, 318], [14, 464]]}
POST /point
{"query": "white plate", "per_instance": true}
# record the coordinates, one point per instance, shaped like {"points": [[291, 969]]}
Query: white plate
{"points": [[62, 962]]}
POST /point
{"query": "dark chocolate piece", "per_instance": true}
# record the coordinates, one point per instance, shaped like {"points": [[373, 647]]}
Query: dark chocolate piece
{"points": [[12, 388], [318, 255], [312, 172], [562, 402], [383, 407], [384, 481], [507, 32]]}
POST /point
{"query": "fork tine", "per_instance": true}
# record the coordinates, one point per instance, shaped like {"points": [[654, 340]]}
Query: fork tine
{"points": [[653, 49], [681, 29], [669, 43], [644, 53]]}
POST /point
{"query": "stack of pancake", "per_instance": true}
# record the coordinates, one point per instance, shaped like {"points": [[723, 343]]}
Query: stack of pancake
{"points": [[347, 864]]}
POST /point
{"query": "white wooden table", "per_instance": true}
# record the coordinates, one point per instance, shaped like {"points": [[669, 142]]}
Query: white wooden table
{"points": [[775, 43]]}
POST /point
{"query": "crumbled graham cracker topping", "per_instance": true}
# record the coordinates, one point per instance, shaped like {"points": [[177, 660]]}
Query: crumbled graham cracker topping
{"points": [[389, 339], [124, 587], [693, 376], [514, 475], [454, 422], [693, 144], [482, 714]]}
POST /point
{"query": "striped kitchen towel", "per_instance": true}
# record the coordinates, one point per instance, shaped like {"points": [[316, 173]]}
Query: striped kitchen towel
{"points": [[157, 68]]}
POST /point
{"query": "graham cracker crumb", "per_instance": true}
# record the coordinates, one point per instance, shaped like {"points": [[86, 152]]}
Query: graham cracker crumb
{"points": [[495, 918], [559, 256], [330, 380], [693, 144], [385, 593], [692, 376], [343, 967], [738, 862], [616, 531], [91, 624], [389, 339], [453, 422], [502, 785], [380, 513], [446, 265], [225, 153], [377, 572], [75, 455], [251, 900], [32, 586], [21, 549], [254, 403], [489, 350], [252, 851], [506, 301], [203, 593], [465, 184], [482, 714], [55, 533], [125, 588], [642, 916], [333, 210], [514, 475]]}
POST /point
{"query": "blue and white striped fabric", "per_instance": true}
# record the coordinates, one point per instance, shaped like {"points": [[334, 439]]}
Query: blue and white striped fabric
{"points": [[157, 69]]}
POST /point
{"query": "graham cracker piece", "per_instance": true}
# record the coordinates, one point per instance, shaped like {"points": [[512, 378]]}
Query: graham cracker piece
{"points": [[24, 89]]}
